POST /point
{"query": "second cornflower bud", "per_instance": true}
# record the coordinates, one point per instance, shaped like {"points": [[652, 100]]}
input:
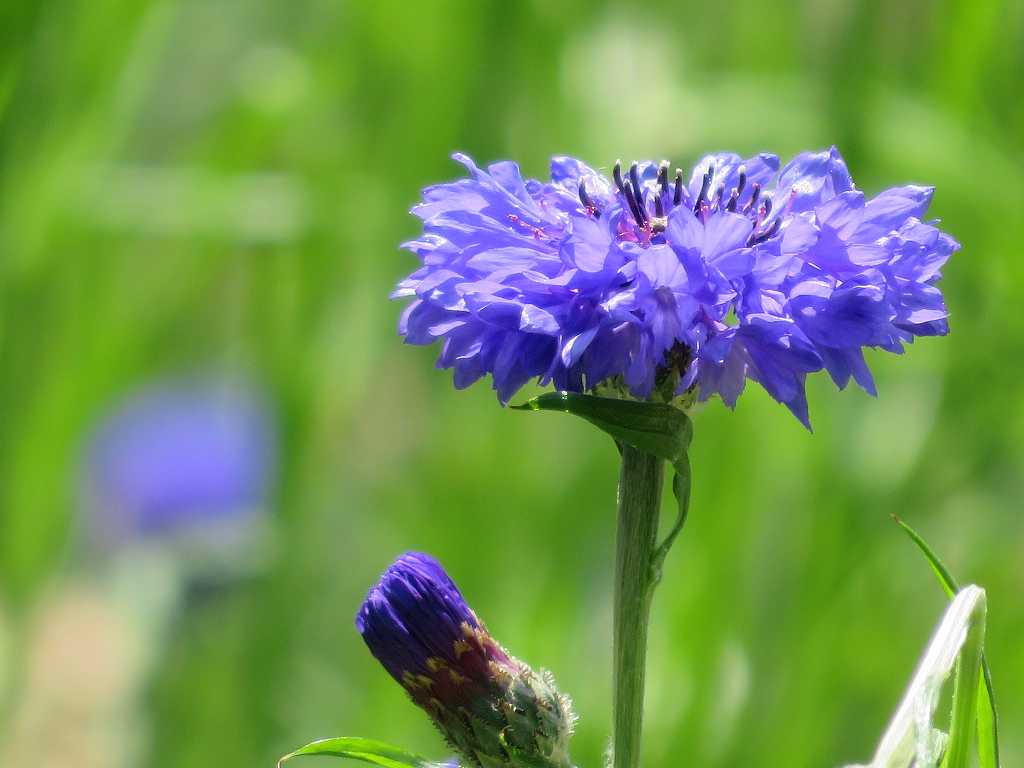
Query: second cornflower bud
{"points": [[489, 706]]}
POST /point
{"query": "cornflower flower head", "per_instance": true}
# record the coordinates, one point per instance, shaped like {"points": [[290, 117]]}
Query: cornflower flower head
{"points": [[655, 284]]}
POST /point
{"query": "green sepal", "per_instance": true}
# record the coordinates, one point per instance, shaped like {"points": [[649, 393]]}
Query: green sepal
{"points": [[366, 750], [988, 715], [525, 723]]}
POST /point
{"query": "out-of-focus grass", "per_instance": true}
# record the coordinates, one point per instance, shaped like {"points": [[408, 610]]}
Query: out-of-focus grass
{"points": [[223, 184]]}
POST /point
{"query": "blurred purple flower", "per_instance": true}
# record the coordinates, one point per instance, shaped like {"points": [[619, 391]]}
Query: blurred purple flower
{"points": [[648, 281], [178, 456]]}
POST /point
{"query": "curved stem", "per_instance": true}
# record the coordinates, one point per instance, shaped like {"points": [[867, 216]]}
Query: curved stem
{"points": [[636, 558]]}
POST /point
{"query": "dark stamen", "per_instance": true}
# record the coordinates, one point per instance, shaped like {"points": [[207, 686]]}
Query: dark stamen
{"points": [[639, 197], [719, 194], [767, 206], [677, 197], [733, 199], [659, 207], [743, 180], [768, 233], [634, 176], [617, 175], [755, 192], [663, 177], [634, 207], [587, 202], [704, 184]]}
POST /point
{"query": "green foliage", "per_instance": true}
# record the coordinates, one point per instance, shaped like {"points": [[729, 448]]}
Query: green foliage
{"points": [[197, 185]]}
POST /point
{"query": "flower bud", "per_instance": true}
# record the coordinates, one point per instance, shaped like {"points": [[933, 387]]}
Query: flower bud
{"points": [[489, 706]]}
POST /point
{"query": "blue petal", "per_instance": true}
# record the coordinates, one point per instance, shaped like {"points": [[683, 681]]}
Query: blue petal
{"points": [[812, 178], [724, 232], [661, 266], [588, 248], [890, 210]]}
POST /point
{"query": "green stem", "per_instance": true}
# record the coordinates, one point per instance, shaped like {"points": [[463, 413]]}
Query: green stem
{"points": [[640, 483]]}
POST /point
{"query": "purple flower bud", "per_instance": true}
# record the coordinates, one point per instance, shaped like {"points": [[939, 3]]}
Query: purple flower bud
{"points": [[492, 708]]}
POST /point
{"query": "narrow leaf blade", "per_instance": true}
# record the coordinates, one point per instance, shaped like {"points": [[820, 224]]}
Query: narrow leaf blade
{"points": [[988, 725], [988, 715], [365, 750], [946, 579]]}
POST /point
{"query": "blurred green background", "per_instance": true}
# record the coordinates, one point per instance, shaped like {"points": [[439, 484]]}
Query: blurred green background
{"points": [[222, 184]]}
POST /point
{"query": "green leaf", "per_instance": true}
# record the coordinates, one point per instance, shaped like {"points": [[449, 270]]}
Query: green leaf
{"points": [[658, 428], [949, 584], [988, 721], [966, 684], [366, 750], [988, 715]]}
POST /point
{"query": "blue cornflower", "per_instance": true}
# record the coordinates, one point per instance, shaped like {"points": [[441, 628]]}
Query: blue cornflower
{"points": [[490, 707], [659, 286]]}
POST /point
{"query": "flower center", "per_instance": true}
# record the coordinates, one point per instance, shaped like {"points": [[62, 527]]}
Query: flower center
{"points": [[665, 196], [650, 203]]}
